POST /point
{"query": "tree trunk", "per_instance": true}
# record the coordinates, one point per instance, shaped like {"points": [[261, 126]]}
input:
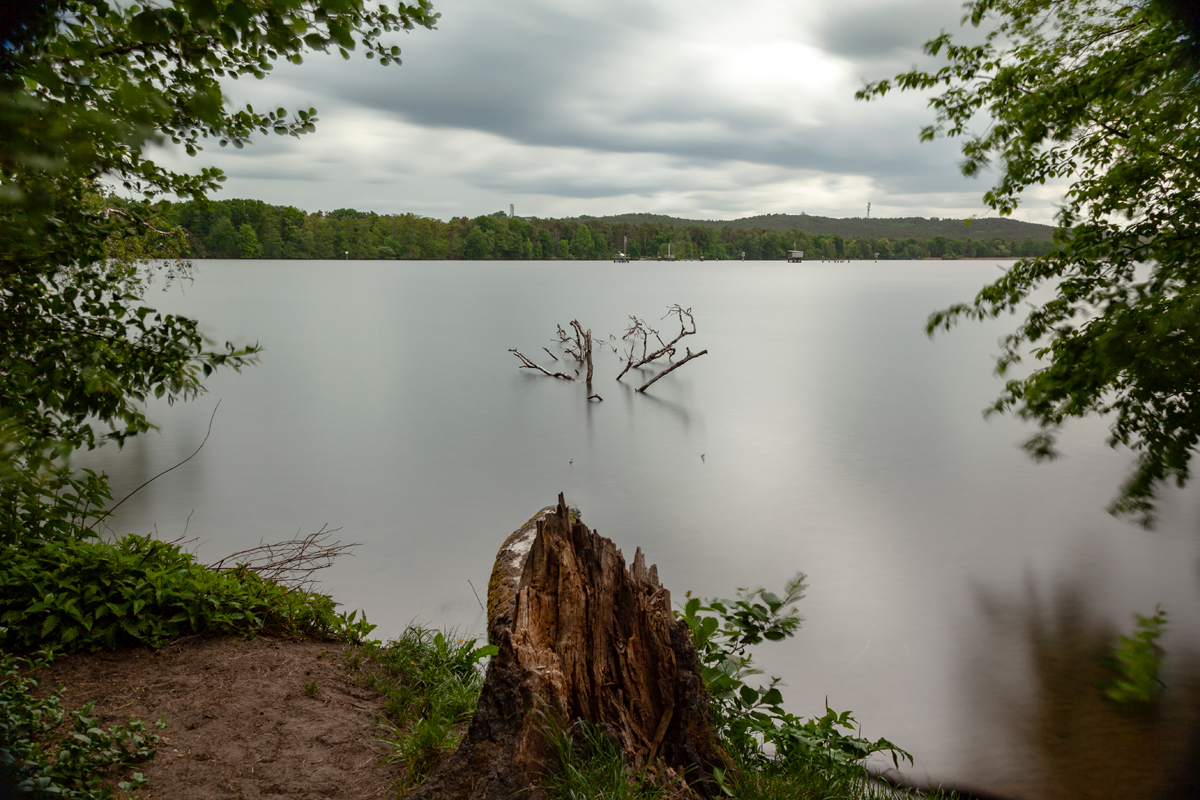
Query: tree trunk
{"points": [[580, 637]]}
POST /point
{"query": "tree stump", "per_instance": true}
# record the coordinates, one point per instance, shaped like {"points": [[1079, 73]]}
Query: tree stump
{"points": [[580, 637]]}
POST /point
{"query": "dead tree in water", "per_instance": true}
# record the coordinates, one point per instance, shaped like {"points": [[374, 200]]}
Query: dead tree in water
{"points": [[581, 637], [579, 346], [672, 368], [639, 331]]}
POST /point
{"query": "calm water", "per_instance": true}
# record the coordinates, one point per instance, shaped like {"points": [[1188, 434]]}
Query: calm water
{"points": [[960, 595]]}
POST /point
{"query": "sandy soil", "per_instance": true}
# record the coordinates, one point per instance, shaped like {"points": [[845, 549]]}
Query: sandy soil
{"points": [[240, 722]]}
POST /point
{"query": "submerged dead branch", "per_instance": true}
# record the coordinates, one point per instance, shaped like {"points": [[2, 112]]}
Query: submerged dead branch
{"points": [[579, 343], [291, 563], [583, 347], [672, 368], [527, 364], [640, 331]]}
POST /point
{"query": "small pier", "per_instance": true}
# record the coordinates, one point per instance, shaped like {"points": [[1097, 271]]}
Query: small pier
{"points": [[621, 258], [795, 256]]}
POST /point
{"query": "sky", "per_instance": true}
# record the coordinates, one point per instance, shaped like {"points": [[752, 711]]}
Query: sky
{"points": [[693, 109]]}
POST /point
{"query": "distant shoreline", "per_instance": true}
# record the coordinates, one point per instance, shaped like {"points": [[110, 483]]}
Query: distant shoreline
{"points": [[254, 229]]}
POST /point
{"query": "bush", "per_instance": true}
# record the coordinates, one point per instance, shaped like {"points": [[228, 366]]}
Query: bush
{"points": [[86, 595]]}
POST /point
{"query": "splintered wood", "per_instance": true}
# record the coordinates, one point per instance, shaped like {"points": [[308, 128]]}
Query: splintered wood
{"points": [[581, 637]]}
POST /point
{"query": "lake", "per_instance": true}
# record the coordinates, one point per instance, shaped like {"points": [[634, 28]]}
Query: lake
{"points": [[961, 596]]}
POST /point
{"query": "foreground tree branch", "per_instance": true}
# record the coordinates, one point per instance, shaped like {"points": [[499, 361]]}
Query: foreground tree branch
{"points": [[1101, 97], [581, 637]]}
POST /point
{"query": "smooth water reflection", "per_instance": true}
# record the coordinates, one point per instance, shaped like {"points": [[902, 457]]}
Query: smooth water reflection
{"points": [[837, 440]]}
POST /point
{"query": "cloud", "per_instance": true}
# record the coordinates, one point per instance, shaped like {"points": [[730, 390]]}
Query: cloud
{"points": [[590, 107]]}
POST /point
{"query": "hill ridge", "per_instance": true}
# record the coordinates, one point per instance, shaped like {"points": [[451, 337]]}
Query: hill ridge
{"points": [[855, 227]]}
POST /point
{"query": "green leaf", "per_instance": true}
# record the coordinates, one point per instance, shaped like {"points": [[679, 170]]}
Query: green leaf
{"points": [[148, 26]]}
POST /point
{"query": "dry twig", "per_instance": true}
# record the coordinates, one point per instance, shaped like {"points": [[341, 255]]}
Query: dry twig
{"points": [[108, 513], [289, 563]]}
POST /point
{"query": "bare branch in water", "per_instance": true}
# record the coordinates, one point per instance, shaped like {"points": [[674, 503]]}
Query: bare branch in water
{"points": [[672, 368], [527, 364], [640, 331]]}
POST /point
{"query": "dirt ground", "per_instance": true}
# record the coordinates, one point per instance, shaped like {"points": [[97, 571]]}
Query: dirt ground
{"points": [[240, 722]]}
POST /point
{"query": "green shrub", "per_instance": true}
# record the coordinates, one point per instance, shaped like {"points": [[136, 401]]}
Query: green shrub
{"points": [[751, 721], [48, 759], [84, 595]]}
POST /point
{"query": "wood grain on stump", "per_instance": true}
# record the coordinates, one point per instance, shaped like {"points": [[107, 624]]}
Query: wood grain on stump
{"points": [[581, 637]]}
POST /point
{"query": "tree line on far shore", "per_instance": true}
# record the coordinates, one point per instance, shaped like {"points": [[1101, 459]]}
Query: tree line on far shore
{"points": [[254, 229]]}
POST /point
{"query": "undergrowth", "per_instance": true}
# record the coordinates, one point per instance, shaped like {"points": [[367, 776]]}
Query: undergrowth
{"points": [[430, 681], [67, 594], [64, 594], [47, 752], [71, 594]]}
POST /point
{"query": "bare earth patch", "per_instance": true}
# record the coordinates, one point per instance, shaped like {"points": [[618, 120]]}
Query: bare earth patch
{"points": [[241, 723]]}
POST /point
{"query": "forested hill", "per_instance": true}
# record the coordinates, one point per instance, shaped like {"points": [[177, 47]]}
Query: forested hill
{"points": [[858, 227], [254, 229]]}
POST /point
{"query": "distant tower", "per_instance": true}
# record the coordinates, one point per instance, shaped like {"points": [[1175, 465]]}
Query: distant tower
{"points": [[868, 209], [511, 211]]}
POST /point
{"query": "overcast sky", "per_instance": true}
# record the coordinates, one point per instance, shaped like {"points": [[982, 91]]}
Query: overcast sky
{"points": [[698, 109]]}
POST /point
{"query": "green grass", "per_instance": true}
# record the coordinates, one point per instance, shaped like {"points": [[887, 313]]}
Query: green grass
{"points": [[430, 681], [590, 766]]}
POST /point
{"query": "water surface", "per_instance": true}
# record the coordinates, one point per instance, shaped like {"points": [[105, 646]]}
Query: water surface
{"points": [[953, 582]]}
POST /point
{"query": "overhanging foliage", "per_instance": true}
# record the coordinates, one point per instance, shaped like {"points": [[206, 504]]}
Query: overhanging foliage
{"points": [[1102, 95]]}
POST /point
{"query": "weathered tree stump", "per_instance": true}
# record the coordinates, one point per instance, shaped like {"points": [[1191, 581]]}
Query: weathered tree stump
{"points": [[580, 637]]}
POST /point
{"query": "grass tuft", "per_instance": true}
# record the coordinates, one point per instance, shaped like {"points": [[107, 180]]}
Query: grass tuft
{"points": [[430, 681], [590, 766]]}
